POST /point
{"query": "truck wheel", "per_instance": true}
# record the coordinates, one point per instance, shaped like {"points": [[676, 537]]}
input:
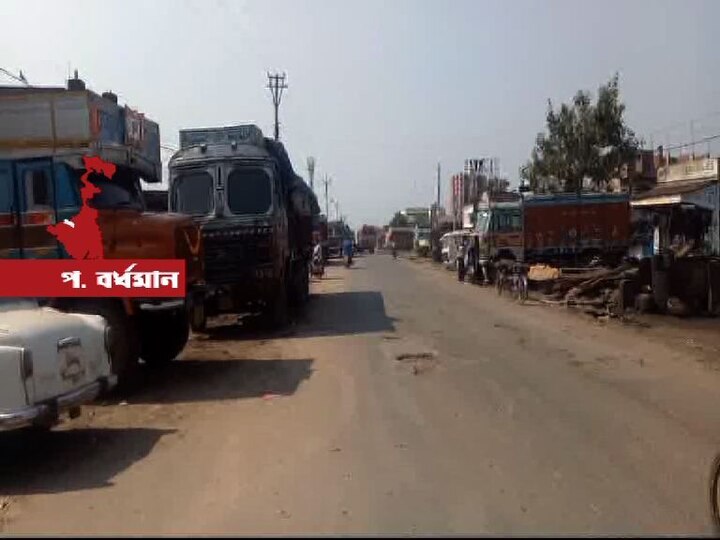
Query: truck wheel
{"points": [[276, 314], [123, 337], [163, 335]]}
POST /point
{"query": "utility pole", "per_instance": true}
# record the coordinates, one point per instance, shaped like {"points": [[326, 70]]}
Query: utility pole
{"points": [[311, 171], [326, 180], [692, 137], [276, 84], [438, 185]]}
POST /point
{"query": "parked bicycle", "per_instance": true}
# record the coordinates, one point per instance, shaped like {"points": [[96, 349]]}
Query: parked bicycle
{"points": [[512, 278]]}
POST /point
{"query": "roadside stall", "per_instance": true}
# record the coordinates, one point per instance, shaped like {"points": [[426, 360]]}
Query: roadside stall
{"points": [[682, 212]]}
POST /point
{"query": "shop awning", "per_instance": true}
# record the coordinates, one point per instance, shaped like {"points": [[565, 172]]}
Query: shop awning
{"points": [[699, 193]]}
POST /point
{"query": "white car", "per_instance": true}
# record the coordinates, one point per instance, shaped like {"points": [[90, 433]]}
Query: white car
{"points": [[50, 363]]}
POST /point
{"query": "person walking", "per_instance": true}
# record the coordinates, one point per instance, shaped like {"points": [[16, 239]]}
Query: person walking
{"points": [[460, 259]]}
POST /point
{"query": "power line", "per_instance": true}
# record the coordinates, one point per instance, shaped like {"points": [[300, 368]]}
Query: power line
{"points": [[685, 145], [683, 123], [19, 78]]}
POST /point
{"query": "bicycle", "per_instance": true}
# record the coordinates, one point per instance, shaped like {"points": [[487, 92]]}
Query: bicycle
{"points": [[514, 280]]}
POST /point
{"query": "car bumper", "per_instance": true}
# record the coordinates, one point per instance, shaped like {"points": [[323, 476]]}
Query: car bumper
{"points": [[27, 416]]}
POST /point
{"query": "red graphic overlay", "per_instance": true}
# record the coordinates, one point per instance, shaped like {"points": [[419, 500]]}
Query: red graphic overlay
{"points": [[81, 236], [56, 278]]}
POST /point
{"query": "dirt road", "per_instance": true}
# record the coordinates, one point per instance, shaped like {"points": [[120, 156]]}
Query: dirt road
{"points": [[403, 402]]}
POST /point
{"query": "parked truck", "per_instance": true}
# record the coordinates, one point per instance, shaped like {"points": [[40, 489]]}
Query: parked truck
{"points": [[557, 229], [45, 134], [422, 241], [256, 216]]}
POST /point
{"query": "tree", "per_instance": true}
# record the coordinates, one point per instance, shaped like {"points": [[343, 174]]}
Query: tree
{"points": [[399, 220], [582, 140]]}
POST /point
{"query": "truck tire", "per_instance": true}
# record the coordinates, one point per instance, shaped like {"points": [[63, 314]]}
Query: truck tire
{"points": [[123, 337], [300, 285], [163, 335], [276, 314]]}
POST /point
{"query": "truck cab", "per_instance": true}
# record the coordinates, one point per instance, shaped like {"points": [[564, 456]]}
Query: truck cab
{"points": [[235, 186], [46, 136]]}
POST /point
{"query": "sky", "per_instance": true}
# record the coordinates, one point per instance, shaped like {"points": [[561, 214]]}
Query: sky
{"points": [[381, 91]]}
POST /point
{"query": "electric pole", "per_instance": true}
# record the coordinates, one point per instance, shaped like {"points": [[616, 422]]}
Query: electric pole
{"points": [[311, 171], [276, 84], [326, 180], [438, 185]]}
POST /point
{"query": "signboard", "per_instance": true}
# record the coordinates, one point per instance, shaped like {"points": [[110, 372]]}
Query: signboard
{"points": [[243, 134], [699, 169]]}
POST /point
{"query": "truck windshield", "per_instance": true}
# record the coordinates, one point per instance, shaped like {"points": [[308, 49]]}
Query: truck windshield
{"points": [[483, 218], [249, 191], [193, 193], [123, 191]]}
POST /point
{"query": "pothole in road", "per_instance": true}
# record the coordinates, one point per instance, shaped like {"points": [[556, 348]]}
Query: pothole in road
{"points": [[414, 356], [420, 362]]}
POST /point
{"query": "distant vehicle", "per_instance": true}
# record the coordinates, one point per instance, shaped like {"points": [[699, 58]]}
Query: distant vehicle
{"points": [[337, 232], [51, 363], [422, 241], [44, 136], [256, 215], [404, 237], [367, 238]]}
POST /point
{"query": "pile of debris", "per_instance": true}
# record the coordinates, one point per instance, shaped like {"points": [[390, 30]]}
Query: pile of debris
{"points": [[596, 290]]}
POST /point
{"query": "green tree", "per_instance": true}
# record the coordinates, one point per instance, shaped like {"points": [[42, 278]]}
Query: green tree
{"points": [[583, 139], [399, 220]]}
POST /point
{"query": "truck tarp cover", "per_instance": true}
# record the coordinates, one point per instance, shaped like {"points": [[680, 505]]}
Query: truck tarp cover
{"points": [[303, 199]]}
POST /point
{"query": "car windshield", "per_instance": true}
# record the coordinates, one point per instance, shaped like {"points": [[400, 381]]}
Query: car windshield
{"points": [[249, 191], [193, 193]]}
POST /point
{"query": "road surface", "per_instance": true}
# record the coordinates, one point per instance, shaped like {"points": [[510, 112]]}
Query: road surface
{"points": [[402, 402]]}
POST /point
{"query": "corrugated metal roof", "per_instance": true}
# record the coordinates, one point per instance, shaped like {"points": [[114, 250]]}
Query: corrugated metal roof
{"points": [[674, 188]]}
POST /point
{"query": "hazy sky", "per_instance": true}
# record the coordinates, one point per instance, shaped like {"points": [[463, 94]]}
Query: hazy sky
{"points": [[380, 91]]}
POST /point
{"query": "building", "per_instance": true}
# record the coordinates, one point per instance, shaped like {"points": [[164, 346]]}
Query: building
{"points": [[682, 210], [479, 177], [417, 216]]}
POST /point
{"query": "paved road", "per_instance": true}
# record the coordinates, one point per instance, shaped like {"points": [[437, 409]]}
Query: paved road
{"points": [[403, 402]]}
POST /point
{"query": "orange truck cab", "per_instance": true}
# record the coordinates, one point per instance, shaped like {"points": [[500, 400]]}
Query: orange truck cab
{"points": [[44, 135]]}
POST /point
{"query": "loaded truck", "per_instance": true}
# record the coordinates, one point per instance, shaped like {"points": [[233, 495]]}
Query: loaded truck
{"points": [[256, 217], [557, 229], [45, 134]]}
